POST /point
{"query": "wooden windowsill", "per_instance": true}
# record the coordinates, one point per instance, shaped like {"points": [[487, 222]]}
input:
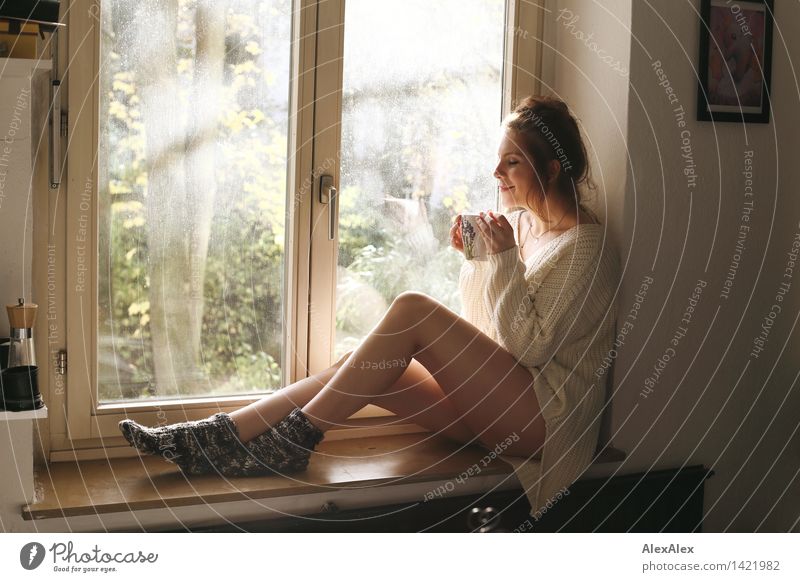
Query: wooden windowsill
{"points": [[92, 488]]}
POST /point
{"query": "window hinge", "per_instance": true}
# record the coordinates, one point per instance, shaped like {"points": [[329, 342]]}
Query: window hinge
{"points": [[61, 363], [64, 123]]}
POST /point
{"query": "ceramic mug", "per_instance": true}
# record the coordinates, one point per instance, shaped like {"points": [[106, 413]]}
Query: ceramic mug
{"points": [[474, 245]]}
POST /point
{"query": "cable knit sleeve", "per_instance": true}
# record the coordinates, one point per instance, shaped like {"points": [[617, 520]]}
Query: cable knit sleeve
{"points": [[530, 315], [471, 282]]}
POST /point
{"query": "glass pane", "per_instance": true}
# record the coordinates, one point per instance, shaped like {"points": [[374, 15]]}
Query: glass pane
{"points": [[421, 112], [192, 165]]}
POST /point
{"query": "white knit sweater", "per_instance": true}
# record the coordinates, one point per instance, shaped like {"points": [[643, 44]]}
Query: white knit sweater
{"points": [[556, 314]]}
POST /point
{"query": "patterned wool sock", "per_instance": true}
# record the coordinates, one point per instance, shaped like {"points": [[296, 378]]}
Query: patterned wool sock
{"points": [[287, 446], [197, 447]]}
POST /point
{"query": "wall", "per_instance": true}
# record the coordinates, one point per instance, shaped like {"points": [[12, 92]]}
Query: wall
{"points": [[16, 216], [23, 147], [585, 63], [712, 400]]}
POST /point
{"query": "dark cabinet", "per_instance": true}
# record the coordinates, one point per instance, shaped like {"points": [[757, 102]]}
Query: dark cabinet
{"points": [[666, 500]]}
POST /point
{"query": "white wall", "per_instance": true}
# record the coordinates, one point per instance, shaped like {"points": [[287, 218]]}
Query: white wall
{"points": [[16, 211], [713, 404]]}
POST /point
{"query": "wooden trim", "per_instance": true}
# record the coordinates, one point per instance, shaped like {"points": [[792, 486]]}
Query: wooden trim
{"points": [[81, 204], [107, 486], [300, 144], [327, 145], [372, 469], [523, 51]]}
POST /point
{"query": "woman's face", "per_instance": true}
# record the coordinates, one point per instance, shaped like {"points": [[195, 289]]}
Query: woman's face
{"points": [[514, 172]]}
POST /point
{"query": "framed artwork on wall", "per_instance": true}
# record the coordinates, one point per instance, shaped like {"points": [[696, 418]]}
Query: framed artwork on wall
{"points": [[735, 61]]}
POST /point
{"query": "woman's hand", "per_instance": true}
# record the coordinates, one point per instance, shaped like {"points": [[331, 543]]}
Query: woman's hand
{"points": [[497, 232], [455, 234]]}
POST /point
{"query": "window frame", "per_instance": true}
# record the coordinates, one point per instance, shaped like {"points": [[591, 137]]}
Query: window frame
{"points": [[77, 426]]}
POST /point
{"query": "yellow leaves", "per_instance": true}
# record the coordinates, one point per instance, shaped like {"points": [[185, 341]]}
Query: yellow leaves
{"points": [[126, 206], [139, 307], [279, 236], [118, 110], [253, 48], [130, 253], [185, 65], [119, 85], [133, 208], [245, 67], [257, 116], [236, 121], [132, 222], [118, 187]]}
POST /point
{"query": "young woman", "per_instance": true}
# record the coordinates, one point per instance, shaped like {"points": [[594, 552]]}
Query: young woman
{"points": [[537, 319]]}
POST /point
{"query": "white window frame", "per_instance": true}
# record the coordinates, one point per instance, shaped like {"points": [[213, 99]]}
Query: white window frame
{"points": [[77, 427]]}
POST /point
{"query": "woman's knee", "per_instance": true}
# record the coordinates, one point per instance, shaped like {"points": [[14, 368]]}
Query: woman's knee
{"points": [[343, 359], [411, 305]]}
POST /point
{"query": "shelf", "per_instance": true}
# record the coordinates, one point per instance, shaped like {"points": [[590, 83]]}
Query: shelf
{"points": [[7, 415], [23, 67]]}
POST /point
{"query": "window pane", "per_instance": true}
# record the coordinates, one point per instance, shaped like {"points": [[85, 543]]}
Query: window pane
{"points": [[192, 165], [422, 106]]}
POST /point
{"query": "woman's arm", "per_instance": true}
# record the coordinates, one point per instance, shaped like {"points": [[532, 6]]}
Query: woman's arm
{"points": [[531, 317]]}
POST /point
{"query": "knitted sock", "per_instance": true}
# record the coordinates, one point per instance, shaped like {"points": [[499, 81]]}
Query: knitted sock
{"points": [[197, 447], [287, 446]]}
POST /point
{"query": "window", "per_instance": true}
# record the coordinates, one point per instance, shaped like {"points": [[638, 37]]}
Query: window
{"points": [[206, 263]]}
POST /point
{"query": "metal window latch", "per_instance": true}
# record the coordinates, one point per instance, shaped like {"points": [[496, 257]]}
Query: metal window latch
{"points": [[327, 195], [61, 362]]}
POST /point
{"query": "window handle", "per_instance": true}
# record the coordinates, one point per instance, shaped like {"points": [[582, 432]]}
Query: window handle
{"points": [[327, 195]]}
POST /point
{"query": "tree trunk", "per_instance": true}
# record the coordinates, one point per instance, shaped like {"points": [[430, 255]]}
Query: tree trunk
{"points": [[206, 103], [180, 195]]}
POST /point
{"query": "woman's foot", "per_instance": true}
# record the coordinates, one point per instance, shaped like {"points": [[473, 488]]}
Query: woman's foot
{"points": [[197, 447], [287, 446], [212, 445]]}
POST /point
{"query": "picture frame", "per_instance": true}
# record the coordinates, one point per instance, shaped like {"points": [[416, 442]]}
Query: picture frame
{"points": [[735, 61]]}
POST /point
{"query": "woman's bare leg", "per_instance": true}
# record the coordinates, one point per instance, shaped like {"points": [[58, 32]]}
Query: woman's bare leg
{"points": [[491, 392], [415, 397], [259, 416]]}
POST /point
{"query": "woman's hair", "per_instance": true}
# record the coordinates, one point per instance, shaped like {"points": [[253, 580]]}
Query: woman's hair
{"points": [[550, 132]]}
